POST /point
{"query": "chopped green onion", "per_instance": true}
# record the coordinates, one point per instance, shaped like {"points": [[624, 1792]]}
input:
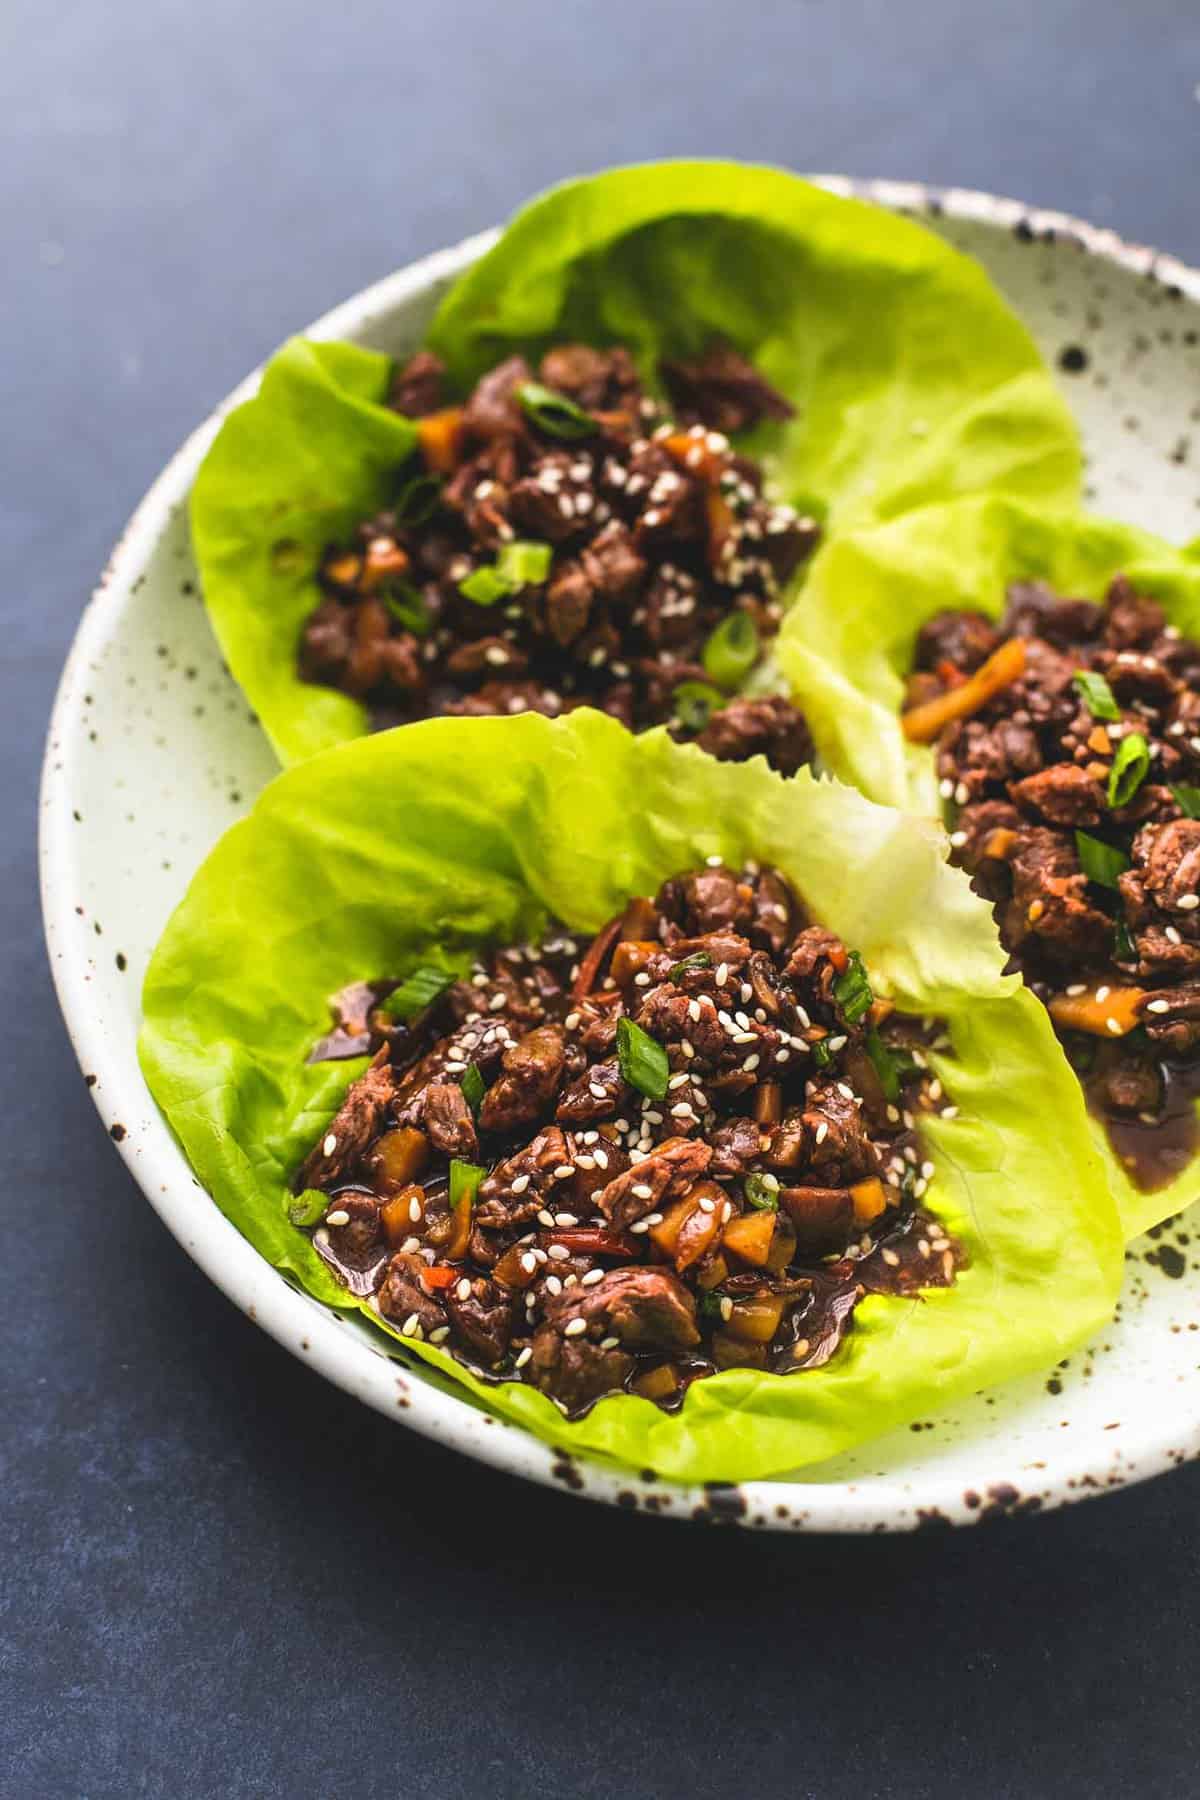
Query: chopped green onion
{"points": [[474, 1088], [309, 1207], [1124, 948], [408, 607], [1187, 799], [465, 1178], [699, 960], [852, 990], [554, 413], [1097, 695], [643, 1060], [485, 586], [886, 1065], [731, 651], [1130, 767], [417, 499], [416, 993], [822, 1054], [694, 704], [762, 1192], [709, 1307], [523, 563], [1101, 863]]}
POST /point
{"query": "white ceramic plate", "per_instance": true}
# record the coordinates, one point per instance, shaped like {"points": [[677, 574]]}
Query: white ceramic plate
{"points": [[153, 752]]}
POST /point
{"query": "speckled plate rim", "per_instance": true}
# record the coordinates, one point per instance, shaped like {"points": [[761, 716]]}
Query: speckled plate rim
{"points": [[330, 1344]]}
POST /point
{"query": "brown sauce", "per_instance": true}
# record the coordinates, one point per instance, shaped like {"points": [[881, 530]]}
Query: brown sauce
{"points": [[1154, 1154]]}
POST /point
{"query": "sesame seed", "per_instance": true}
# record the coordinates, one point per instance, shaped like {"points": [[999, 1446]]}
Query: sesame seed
{"points": [[687, 1048], [641, 979], [641, 1190], [545, 1217], [650, 1116], [1102, 993], [705, 1204], [962, 793], [890, 1258], [554, 1285], [1171, 934], [694, 1011], [583, 1161], [410, 1245], [722, 974], [746, 992], [726, 1213], [576, 1328], [440, 1335], [1154, 1006], [601, 1159], [414, 1211], [836, 1043], [523, 1357], [410, 1326], [1076, 988], [847, 1093], [949, 1112], [781, 1056], [571, 1021], [678, 1081], [330, 1145], [821, 1133], [596, 1091], [519, 1183], [565, 1219], [726, 1308], [463, 1288], [591, 1278], [751, 1063], [639, 1227], [558, 1252], [927, 1170], [564, 1172], [1114, 1025], [893, 1113], [919, 1188], [946, 788], [1188, 902], [957, 839], [498, 1002]]}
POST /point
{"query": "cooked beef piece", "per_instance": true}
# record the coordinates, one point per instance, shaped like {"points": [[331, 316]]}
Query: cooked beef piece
{"points": [[418, 387], [360, 1118], [402, 1296], [482, 1312], [723, 391], [603, 1221], [448, 1122], [1072, 789], [769, 726], [629, 1310], [597, 380], [965, 639], [666, 1173], [530, 1073], [637, 545], [1062, 794]]}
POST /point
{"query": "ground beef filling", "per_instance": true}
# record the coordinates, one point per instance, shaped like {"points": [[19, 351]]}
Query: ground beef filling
{"points": [[688, 1144], [1068, 750], [560, 541]]}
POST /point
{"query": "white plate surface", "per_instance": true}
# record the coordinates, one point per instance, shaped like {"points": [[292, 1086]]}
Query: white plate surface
{"points": [[153, 752]]}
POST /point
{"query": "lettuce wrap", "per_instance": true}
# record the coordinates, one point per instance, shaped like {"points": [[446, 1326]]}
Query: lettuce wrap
{"points": [[912, 382], [450, 835], [847, 651]]}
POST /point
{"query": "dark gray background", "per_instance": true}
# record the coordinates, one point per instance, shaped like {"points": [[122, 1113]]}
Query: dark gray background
{"points": [[223, 1577]]}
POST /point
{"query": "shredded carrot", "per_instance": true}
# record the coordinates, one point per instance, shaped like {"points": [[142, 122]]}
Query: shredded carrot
{"points": [[440, 1277], [925, 723], [598, 949], [694, 454], [999, 843], [1118, 1013]]}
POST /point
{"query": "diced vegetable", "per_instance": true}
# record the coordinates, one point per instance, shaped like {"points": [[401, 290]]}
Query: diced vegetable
{"points": [[400, 1157], [396, 1215], [924, 724], [417, 499], [665, 1235], [712, 1273], [554, 413], [768, 1103], [440, 436], [436, 1279], [694, 703], [869, 1199], [658, 1383], [485, 586], [852, 990], [730, 1352], [474, 1088], [308, 1208], [1130, 767], [419, 990], [1097, 695], [465, 1178], [699, 960], [643, 1060], [761, 1191], [523, 563], [1101, 863], [749, 1238], [822, 1216], [1000, 844], [511, 1270], [783, 1244], [731, 651], [756, 1319], [700, 1230], [630, 958], [1117, 1014], [1187, 799]]}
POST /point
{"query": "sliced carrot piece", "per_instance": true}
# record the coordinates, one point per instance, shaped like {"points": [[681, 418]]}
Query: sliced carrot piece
{"points": [[1117, 1014], [924, 724], [440, 437]]}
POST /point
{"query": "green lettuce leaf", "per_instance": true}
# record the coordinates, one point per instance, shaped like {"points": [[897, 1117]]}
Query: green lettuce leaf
{"points": [[912, 379], [452, 834], [846, 650]]}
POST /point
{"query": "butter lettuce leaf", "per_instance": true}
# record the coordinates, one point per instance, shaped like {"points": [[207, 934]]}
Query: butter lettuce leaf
{"points": [[431, 841], [912, 381], [846, 649]]}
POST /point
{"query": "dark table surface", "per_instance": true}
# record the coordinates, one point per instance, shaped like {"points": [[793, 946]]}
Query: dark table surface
{"points": [[222, 1576]]}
